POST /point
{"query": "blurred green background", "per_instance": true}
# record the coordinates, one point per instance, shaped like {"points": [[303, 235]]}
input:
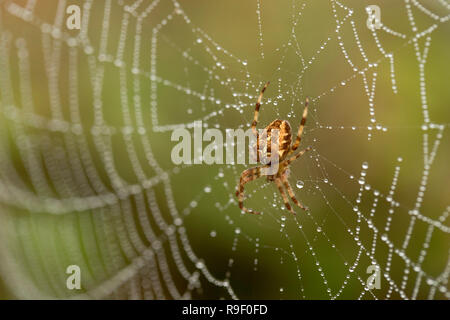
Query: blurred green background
{"points": [[87, 177]]}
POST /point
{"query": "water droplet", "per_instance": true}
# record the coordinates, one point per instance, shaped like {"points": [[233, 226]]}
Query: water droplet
{"points": [[207, 189], [361, 181], [213, 233], [237, 230], [300, 184], [365, 165]]}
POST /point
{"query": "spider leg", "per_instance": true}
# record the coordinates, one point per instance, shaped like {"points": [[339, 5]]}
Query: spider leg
{"points": [[291, 193], [300, 129], [283, 194], [288, 161], [258, 104], [247, 176]]}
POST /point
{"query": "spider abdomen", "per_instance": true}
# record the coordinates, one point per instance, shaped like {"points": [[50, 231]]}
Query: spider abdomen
{"points": [[284, 137]]}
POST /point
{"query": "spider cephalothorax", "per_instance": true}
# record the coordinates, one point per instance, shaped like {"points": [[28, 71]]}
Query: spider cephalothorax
{"points": [[285, 149]]}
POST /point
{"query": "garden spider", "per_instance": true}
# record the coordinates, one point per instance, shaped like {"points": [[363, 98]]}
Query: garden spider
{"points": [[285, 149]]}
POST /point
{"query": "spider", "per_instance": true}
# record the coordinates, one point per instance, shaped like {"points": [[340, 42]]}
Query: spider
{"points": [[285, 150]]}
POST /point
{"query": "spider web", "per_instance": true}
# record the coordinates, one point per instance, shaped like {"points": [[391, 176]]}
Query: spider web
{"points": [[85, 170]]}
